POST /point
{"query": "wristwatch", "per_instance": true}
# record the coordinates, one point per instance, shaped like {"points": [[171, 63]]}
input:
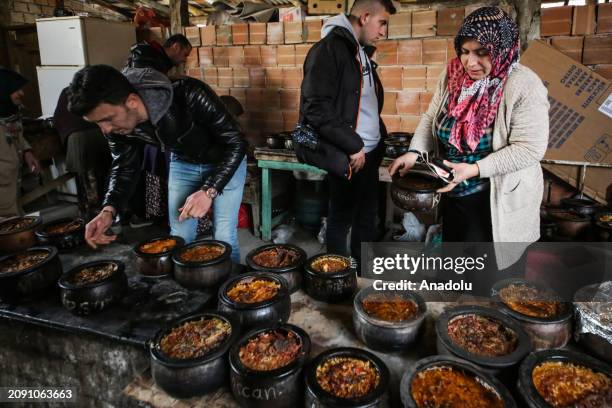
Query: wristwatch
{"points": [[211, 192]]}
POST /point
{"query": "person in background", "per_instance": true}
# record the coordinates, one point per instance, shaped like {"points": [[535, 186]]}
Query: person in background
{"points": [[341, 98], [14, 149], [208, 163], [149, 199], [150, 54], [87, 153], [488, 120]]}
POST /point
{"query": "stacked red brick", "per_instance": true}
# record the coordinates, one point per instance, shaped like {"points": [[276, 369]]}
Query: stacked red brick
{"points": [[583, 33]]}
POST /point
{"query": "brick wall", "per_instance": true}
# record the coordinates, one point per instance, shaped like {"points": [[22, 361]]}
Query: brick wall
{"points": [[583, 33], [21, 12], [261, 65]]}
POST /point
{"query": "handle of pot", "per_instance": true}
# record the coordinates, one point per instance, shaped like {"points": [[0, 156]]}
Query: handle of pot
{"points": [[436, 200]]}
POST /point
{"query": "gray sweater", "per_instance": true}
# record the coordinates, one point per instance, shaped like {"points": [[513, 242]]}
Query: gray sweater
{"points": [[520, 139]]}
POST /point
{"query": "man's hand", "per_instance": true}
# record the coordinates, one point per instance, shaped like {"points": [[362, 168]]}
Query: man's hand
{"points": [[196, 206], [403, 163], [357, 160], [462, 172], [95, 230], [32, 162]]}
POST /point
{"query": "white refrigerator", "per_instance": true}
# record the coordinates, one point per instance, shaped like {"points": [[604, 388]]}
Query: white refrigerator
{"points": [[67, 44]]}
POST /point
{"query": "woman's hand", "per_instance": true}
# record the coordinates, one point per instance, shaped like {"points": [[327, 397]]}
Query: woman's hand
{"points": [[461, 172], [95, 230], [32, 162], [403, 163]]}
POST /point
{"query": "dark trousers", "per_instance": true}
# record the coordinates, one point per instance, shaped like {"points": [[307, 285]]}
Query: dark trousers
{"points": [[354, 204], [467, 219]]}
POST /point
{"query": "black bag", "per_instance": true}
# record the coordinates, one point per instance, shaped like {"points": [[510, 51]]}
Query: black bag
{"points": [[311, 149]]}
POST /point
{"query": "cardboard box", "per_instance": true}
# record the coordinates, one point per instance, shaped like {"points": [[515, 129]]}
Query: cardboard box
{"points": [[556, 21], [240, 34], [605, 71], [318, 7], [597, 49], [450, 20], [604, 18], [193, 35], [208, 35], [424, 23], [570, 46], [579, 131], [584, 20], [400, 26]]}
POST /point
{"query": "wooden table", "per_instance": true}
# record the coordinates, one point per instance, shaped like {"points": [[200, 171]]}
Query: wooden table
{"points": [[278, 159]]}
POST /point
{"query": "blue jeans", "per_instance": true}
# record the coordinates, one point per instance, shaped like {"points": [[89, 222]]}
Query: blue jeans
{"points": [[185, 179]]}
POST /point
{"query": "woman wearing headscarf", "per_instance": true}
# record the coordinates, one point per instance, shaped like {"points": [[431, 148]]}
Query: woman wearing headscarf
{"points": [[13, 147], [488, 120]]}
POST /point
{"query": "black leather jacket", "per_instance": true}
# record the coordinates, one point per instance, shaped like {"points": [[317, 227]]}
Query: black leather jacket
{"points": [[331, 90], [197, 127], [149, 55]]}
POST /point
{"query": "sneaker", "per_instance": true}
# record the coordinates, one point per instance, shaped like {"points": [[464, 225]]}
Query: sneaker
{"points": [[139, 222]]}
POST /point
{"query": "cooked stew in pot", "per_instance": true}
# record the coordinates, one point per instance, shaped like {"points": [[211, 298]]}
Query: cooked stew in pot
{"points": [[447, 387], [530, 301], [276, 257], [64, 227], [564, 384], [16, 224], [270, 350], [196, 338], [330, 264], [481, 335], [202, 253], [347, 377], [158, 246], [94, 273], [22, 261], [253, 291], [391, 308]]}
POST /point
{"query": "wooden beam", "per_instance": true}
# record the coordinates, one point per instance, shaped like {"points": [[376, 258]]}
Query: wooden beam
{"points": [[125, 13], [179, 16]]}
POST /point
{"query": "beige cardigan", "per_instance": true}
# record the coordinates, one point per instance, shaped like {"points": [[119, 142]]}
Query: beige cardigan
{"points": [[520, 138]]}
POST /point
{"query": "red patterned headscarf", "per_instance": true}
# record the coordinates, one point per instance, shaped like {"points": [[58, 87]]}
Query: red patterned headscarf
{"points": [[474, 103]]}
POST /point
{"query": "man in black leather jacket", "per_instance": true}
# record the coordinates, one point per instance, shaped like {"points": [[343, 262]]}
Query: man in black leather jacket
{"points": [[150, 54], [208, 165], [342, 98]]}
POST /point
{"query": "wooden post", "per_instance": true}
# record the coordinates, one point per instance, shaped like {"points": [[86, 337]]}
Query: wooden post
{"points": [[528, 20], [179, 16]]}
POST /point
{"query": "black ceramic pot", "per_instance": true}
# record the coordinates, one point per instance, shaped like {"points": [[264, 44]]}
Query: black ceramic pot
{"points": [[34, 281], [502, 366], [318, 397], [528, 391], [330, 286], [157, 265], [202, 275], [292, 273], [384, 335], [96, 296], [192, 377], [554, 332], [18, 239], [283, 387], [252, 315], [60, 240], [415, 191], [457, 364], [581, 206]]}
